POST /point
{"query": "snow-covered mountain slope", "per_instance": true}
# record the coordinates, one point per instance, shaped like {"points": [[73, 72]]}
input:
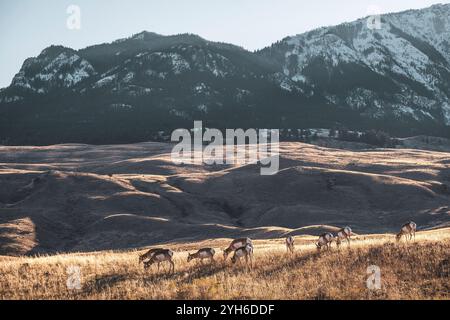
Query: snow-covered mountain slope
{"points": [[396, 78], [56, 67], [134, 87], [401, 69]]}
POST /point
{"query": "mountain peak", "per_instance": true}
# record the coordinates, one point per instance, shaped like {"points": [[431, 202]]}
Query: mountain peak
{"points": [[145, 35], [55, 50]]}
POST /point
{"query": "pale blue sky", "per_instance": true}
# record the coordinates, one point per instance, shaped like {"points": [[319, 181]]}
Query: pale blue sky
{"points": [[28, 26]]}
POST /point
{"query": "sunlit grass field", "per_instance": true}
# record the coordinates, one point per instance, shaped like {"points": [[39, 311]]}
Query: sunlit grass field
{"points": [[415, 270]]}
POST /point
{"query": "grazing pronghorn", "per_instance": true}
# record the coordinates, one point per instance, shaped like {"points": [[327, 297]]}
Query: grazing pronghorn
{"points": [[408, 229], [147, 255], [246, 252], [236, 244], [325, 240], [206, 253], [344, 234], [290, 244], [159, 256]]}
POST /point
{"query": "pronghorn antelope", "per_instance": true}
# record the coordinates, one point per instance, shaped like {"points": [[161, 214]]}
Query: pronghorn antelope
{"points": [[246, 252], [290, 244], [147, 255], [159, 256], [407, 230], [206, 253], [344, 234], [236, 244], [325, 240]]}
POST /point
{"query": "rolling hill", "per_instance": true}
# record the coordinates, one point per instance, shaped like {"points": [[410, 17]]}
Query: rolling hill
{"points": [[74, 197]]}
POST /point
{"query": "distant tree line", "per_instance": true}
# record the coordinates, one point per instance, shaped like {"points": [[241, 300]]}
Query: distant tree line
{"points": [[377, 138], [300, 135]]}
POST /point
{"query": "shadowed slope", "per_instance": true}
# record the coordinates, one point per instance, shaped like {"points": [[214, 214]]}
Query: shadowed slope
{"points": [[80, 197]]}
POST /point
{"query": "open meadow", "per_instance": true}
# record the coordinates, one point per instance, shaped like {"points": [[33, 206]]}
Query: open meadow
{"points": [[415, 270]]}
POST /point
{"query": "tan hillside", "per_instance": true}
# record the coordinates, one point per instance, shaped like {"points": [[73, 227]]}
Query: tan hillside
{"points": [[68, 198]]}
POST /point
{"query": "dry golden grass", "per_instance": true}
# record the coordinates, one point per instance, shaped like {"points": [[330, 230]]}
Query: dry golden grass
{"points": [[418, 270]]}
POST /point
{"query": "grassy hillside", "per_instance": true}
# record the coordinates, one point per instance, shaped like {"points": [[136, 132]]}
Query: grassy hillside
{"points": [[418, 270], [71, 198]]}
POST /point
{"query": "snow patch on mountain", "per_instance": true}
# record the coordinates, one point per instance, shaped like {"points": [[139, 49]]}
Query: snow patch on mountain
{"points": [[21, 81], [105, 81], [179, 64], [11, 99], [408, 51], [121, 106], [65, 70], [203, 108], [128, 77], [431, 25]]}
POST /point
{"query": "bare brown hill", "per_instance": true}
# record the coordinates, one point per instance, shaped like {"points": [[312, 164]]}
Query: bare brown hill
{"points": [[85, 198]]}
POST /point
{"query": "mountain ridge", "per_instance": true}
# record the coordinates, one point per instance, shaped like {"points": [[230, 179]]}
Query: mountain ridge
{"points": [[396, 79]]}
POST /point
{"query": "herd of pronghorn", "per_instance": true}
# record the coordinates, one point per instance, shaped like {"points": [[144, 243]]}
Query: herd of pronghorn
{"points": [[243, 248]]}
